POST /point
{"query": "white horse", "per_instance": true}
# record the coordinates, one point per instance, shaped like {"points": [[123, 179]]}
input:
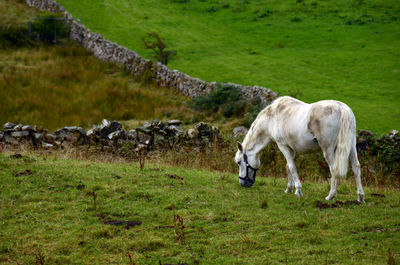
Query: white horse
{"points": [[299, 127]]}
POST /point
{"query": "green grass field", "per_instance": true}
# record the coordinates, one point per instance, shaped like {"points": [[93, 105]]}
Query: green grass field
{"points": [[347, 50], [49, 213]]}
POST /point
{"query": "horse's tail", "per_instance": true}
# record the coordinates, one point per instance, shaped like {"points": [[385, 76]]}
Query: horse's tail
{"points": [[344, 141]]}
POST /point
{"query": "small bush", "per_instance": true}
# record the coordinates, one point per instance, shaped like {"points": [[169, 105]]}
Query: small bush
{"points": [[13, 35], [226, 99], [211, 9], [48, 29], [259, 14], [225, 5], [296, 19]]}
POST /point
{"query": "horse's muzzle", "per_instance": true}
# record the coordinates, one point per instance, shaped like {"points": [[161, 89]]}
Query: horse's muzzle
{"points": [[246, 183]]}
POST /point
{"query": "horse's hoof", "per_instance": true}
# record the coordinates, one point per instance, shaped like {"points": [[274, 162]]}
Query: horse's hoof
{"points": [[361, 198], [329, 198], [288, 190], [298, 193]]}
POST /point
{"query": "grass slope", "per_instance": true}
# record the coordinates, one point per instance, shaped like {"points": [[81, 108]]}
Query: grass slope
{"points": [[48, 214], [65, 85], [344, 50]]}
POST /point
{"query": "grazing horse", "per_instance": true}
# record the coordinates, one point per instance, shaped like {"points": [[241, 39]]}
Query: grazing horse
{"points": [[299, 127]]}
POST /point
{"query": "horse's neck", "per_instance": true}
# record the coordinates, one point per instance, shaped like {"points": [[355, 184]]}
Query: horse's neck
{"points": [[258, 137]]}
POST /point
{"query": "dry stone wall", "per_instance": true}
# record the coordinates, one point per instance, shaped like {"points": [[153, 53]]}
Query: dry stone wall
{"points": [[159, 74], [154, 135]]}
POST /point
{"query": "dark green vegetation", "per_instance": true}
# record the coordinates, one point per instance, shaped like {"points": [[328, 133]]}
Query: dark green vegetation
{"points": [[60, 211], [63, 85], [346, 49]]}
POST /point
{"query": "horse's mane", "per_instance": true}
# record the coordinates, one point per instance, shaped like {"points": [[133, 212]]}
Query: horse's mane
{"points": [[256, 132]]}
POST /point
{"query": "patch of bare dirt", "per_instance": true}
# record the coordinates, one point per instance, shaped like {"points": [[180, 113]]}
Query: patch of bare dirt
{"points": [[173, 176], [324, 205], [128, 224], [23, 173]]}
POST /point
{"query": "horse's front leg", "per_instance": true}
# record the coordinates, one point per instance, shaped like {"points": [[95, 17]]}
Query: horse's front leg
{"points": [[292, 170]]}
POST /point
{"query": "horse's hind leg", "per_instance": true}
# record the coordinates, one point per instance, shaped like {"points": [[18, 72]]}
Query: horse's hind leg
{"points": [[292, 170], [329, 157], [333, 191], [290, 184], [355, 165]]}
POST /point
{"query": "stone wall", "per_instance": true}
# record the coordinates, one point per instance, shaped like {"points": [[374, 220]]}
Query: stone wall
{"points": [[154, 135], [159, 74]]}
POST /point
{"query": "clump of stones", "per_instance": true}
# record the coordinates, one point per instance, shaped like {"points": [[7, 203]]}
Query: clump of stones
{"points": [[110, 134]]}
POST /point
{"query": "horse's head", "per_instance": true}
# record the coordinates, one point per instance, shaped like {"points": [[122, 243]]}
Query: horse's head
{"points": [[248, 166]]}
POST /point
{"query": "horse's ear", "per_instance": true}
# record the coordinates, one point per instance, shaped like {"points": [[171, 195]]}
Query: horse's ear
{"points": [[239, 146]]}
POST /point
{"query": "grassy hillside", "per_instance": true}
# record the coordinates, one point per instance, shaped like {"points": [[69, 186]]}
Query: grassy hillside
{"points": [[56, 211], [60, 86], [63, 85], [344, 50]]}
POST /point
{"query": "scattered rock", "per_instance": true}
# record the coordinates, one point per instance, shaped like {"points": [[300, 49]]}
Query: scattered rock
{"points": [[109, 127], [393, 133], [19, 134], [192, 133], [18, 127], [8, 126], [239, 131], [29, 128], [119, 134], [174, 122], [132, 135], [47, 145]]}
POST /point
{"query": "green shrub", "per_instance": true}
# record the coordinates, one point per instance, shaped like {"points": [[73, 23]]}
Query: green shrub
{"points": [[387, 149], [229, 101], [226, 99], [259, 14], [13, 35], [48, 29], [211, 9]]}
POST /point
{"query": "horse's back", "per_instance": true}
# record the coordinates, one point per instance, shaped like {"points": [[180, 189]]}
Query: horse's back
{"points": [[299, 124]]}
